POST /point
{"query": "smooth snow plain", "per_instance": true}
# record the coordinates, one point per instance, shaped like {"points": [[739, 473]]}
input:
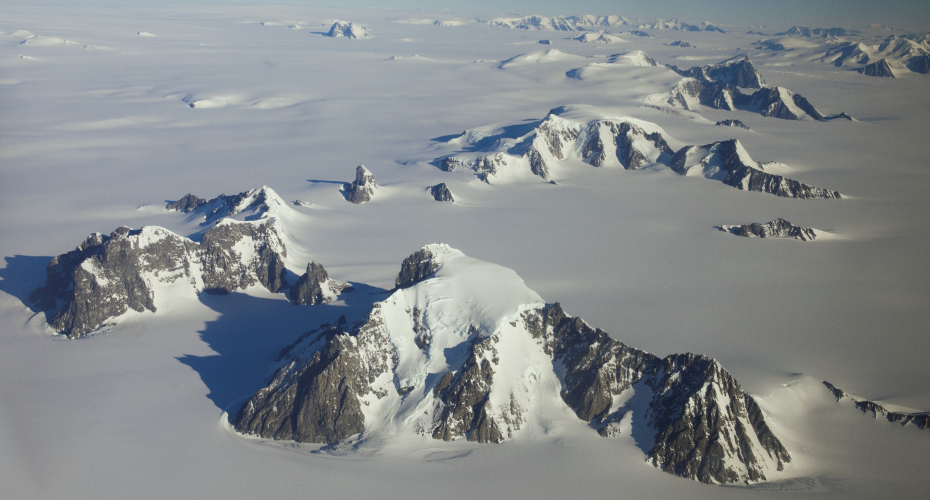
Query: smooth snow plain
{"points": [[98, 130]]}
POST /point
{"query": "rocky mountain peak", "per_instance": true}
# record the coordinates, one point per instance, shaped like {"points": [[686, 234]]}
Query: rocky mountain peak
{"points": [[362, 188]]}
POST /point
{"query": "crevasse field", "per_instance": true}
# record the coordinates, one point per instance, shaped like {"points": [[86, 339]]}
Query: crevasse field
{"points": [[109, 113]]}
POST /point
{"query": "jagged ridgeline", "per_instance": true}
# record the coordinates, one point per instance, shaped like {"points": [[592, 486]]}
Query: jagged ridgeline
{"points": [[462, 349], [106, 276], [587, 134]]}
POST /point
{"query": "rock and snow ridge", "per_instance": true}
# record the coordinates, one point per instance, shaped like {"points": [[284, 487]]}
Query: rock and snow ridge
{"points": [[919, 419], [585, 134], [106, 276], [462, 349], [347, 30], [729, 162], [778, 228]]}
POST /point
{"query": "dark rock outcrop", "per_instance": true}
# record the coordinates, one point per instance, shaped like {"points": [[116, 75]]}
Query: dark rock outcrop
{"points": [[681, 43], [315, 287], [186, 204], [778, 228], [919, 419], [440, 192], [879, 68], [417, 267], [362, 188], [731, 123]]}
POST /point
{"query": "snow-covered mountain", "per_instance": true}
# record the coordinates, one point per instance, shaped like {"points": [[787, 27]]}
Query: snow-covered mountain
{"points": [[775, 102], [729, 162], [560, 23], [347, 30], [106, 276], [778, 228], [676, 25], [818, 32], [598, 38], [462, 349], [738, 71], [255, 204], [589, 135], [893, 54]]}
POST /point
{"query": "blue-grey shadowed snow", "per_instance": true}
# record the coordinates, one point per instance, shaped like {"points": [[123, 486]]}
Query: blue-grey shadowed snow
{"points": [[22, 275], [251, 331]]}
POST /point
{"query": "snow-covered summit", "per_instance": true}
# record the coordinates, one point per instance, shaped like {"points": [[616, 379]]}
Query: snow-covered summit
{"points": [[347, 30], [470, 352]]}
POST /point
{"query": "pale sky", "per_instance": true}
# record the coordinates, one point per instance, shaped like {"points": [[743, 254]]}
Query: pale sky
{"points": [[910, 13], [776, 14]]}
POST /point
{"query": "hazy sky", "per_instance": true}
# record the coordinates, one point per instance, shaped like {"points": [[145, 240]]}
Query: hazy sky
{"points": [[912, 14]]}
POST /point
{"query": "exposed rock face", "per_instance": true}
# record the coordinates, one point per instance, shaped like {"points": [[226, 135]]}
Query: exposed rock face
{"points": [[186, 204], [732, 123], [440, 192], [106, 276], [879, 68], [737, 72], [919, 419], [315, 287], [429, 360], [681, 43], [920, 64], [347, 30], [362, 188], [778, 228], [728, 162], [420, 265]]}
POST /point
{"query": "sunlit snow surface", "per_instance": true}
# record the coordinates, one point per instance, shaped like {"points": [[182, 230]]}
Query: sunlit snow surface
{"points": [[98, 120]]}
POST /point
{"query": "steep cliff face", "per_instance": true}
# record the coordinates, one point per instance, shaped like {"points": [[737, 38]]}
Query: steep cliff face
{"points": [[463, 350]]}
